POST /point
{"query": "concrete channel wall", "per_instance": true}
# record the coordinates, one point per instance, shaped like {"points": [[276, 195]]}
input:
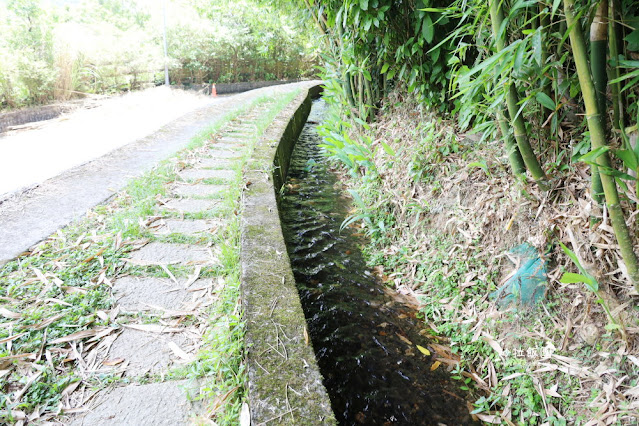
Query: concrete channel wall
{"points": [[285, 384], [228, 88]]}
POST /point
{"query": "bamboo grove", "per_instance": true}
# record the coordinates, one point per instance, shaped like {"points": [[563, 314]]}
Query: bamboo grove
{"points": [[534, 74]]}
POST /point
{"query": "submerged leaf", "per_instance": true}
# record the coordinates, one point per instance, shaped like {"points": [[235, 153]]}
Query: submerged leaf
{"points": [[423, 350]]}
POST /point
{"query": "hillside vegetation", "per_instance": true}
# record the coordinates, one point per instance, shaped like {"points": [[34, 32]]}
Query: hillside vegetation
{"points": [[469, 128], [57, 50]]}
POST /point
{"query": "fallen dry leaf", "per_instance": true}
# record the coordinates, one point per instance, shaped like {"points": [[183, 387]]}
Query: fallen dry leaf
{"points": [[404, 339], [78, 335], [179, 352], [194, 277], [490, 418], [153, 328], [46, 322], [8, 314], [71, 388], [111, 362]]}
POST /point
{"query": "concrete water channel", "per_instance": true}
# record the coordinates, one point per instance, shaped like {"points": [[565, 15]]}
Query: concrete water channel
{"points": [[370, 356]]}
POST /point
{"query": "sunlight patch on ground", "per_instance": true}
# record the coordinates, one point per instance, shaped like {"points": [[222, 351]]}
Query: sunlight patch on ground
{"points": [[29, 157]]}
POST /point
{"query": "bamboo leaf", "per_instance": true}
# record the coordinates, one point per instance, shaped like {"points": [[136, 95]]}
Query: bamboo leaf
{"points": [[385, 68], [388, 149], [592, 156], [631, 74], [479, 164], [572, 278], [428, 30], [628, 64], [628, 157], [537, 47], [519, 57], [356, 197], [584, 277], [546, 101]]}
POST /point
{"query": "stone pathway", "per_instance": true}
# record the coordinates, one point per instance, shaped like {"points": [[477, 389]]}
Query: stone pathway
{"points": [[29, 217], [163, 317]]}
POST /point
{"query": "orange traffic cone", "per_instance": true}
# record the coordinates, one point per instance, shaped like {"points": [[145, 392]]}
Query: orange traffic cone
{"points": [[213, 90]]}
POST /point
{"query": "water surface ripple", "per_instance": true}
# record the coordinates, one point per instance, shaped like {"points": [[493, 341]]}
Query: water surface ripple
{"points": [[365, 340]]}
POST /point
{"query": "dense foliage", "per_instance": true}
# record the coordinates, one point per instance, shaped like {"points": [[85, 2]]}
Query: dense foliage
{"points": [[522, 68], [54, 51], [554, 83]]}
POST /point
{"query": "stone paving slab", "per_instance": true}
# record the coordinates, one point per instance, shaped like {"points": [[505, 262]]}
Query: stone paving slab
{"points": [[190, 205], [166, 253], [198, 190], [214, 163], [189, 227], [155, 404], [198, 174], [234, 139], [229, 144], [240, 135], [219, 153], [146, 352], [139, 294]]}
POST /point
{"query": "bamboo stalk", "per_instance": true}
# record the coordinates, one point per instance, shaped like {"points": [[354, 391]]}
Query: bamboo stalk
{"points": [[597, 136], [346, 78], [544, 22], [512, 100], [360, 96], [369, 94], [598, 51], [617, 99], [514, 156]]}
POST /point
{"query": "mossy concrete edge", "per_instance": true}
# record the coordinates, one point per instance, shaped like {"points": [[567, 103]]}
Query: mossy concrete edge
{"points": [[285, 384]]}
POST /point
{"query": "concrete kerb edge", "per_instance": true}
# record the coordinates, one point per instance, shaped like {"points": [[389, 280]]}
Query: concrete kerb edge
{"points": [[285, 384]]}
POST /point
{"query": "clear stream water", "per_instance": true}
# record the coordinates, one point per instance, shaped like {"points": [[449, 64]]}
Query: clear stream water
{"points": [[364, 340]]}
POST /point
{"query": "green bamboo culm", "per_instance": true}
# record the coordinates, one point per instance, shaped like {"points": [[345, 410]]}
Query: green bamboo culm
{"points": [[615, 88], [598, 140], [512, 99], [598, 52], [545, 24], [514, 156], [346, 78]]}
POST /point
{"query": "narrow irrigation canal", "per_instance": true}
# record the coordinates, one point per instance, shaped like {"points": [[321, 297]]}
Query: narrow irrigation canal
{"points": [[364, 340]]}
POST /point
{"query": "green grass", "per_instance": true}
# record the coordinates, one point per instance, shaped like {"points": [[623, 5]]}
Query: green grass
{"points": [[63, 286]]}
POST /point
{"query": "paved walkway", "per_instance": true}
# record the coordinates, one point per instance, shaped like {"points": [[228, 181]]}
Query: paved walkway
{"points": [[30, 217], [41, 150], [145, 350]]}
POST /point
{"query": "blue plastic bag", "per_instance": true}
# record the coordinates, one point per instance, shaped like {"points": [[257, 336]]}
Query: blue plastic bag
{"points": [[528, 286]]}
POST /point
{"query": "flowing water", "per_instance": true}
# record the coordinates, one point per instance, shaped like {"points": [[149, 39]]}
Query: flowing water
{"points": [[365, 340]]}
